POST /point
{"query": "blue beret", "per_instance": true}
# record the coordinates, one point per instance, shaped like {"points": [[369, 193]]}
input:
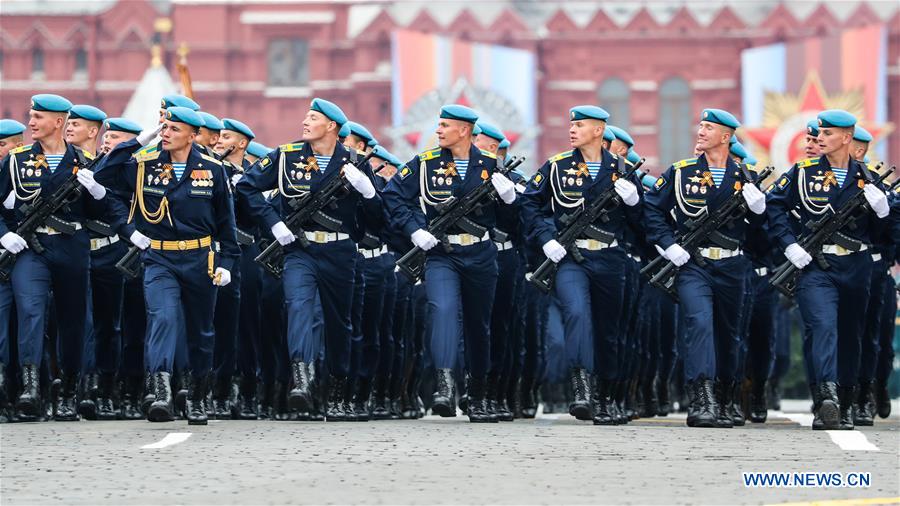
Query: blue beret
{"points": [[87, 112], [733, 139], [749, 160], [210, 122], [359, 131], [258, 150], [836, 118], [237, 126], [184, 115], [372, 143], [504, 144], [632, 156], [10, 127], [330, 110], [812, 128], [179, 101], [588, 112], [122, 125], [476, 130], [459, 112], [608, 135], [648, 180], [721, 117], [344, 131], [50, 103], [491, 131], [737, 149], [861, 134], [382, 153], [622, 135]]}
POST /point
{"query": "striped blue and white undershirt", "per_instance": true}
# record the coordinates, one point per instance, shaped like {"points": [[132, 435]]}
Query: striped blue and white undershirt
{"points": [[718, 174], [839, 174], [593, 169], [178, 168], [323, 161], [53, 161], [461, 166]]}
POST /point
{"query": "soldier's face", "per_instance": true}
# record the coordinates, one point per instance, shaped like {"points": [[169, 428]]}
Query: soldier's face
{"points": [[833, 139], [711, 135], [230, 139], [487, 143], [585, 131], [811, 148], [354, 142], [618, 147], [79, 131], [8, 143], [176, 135], [858, 150], [450, 132], [316, 125], [207, 137], [45, 124], [113, 138]]}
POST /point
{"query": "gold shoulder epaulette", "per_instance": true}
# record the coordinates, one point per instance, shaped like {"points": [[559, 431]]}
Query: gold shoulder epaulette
{"points": [[287, 148], [210, 159], [687, 162], [560, 156], [429, 154], [488, 154], [21, 149], [88, 154], [809, 162], [148, 153]]}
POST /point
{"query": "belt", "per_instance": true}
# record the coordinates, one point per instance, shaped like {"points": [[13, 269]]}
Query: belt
{"points": [[594, 244], [837, 250], [321, 237], [53, 231], [762, 271], [103, 242], [466, 239], [719, 253], [189, 244], [876, 257], [503, 246], [373, 253]]}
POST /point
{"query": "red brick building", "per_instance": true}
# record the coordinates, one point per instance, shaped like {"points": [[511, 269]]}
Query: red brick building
{"points": [[652, 66]]}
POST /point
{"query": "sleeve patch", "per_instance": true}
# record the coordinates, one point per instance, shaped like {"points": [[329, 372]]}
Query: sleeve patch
{"points": [[660, 182], [405, 172], [537, 180], [783, 182], [265, 162]]}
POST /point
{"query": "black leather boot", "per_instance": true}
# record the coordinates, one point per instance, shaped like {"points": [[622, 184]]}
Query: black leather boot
{"points": [[196, 400], [29, 404], [87, 404], [619, 392], [580, 407], [702, 410], [347, 397], [478, 403], [132, 394], [602, 401], [267, 401], [864, 414], [361, 399], [737, 414], [280, 408], [504, 414], [882, 399], [846, 402], [66, 403], [335, 411], [106, 409], [826, 410], [758, 406], [723, 400], [221, 397], [649, 406], [380, 398], [663, 406], [249, 404], [300, 397], [444, 403], [180, 385], [148, 393], [490, 397], [528, 398], [161, 409]]}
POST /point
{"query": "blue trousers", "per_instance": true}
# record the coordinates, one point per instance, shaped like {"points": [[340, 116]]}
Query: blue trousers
{"points": [[833, 304], [502, 312], [6, 319], [872, 331], [555, 349], [134, 328], [326, 270], [107, 293], [711, 298], [591, 296], [386, 341], [225, 323], [274, 361], [367, 350], [761, 334], [249, 346], [885, 363], [461, 283], [537, 308], [181, 300], [63, 271]]}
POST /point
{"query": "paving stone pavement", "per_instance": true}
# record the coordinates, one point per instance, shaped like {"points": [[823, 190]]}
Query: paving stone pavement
{"points": [[551, 460]]}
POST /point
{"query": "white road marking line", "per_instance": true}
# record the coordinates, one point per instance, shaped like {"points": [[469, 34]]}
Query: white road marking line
{"points": [[851, 440], [804, 419], [172, 438]]}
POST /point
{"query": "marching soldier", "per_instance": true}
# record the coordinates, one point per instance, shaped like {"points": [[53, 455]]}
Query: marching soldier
{"points": [[209, 132], [590, 293], [61, 268], [459, 279], [710, 295], [830, 300], [321, 266], [182, 204]]}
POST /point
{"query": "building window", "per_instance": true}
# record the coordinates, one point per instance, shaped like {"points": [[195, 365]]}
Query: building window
{"points": [[81, 65], [615, 97], [288, 62], [37, 62], [676, 132]]}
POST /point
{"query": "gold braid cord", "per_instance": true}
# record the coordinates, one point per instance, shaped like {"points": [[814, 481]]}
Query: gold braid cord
{"points": [[156, 216]]}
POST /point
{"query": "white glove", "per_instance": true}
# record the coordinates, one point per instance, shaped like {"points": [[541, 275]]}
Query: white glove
{"points": [[140, 240], [235, 178], [282, 234], [10, 201], [877, 200], [359, 181], [554, 250], [86, 178], [149, 134], [627, 192], [677, 255], [424, 239], [661, 251], [506, 189], [755, 199], [222, 277], [797, 255], [13, 243]]}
